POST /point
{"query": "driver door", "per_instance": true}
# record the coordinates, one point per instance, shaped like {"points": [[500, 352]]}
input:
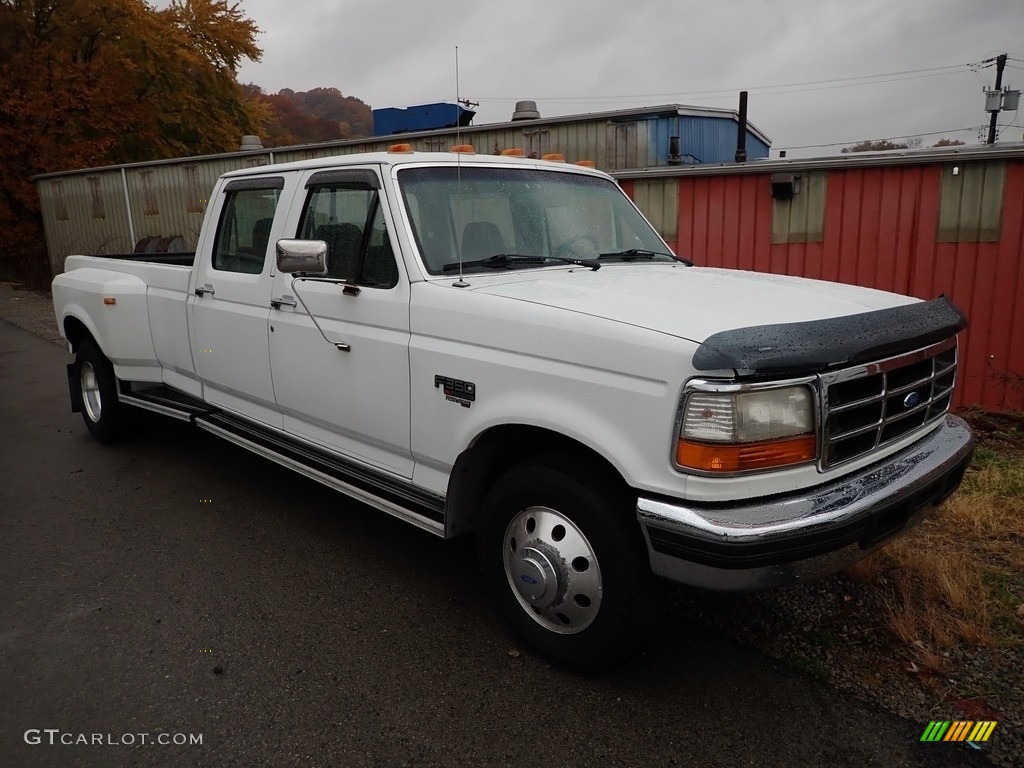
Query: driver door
{"points": [[353, 400]]}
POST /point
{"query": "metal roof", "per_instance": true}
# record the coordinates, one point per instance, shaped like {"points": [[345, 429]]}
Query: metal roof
{"points": [[924, 156], [618, 115]]}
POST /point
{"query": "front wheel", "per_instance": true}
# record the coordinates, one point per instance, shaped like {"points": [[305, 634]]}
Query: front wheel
{"points": [[564, 559], [101, 409]]}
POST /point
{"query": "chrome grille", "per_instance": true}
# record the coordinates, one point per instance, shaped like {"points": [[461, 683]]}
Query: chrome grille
{"points": [[869, 406]]}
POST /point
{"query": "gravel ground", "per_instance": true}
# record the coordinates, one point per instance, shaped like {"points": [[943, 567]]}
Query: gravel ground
{"points": [[830, 629], [30, 310]]}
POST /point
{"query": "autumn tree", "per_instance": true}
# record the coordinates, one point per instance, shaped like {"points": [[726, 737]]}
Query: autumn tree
{"points": [[94, 82], [873, 146], [304, 117]]}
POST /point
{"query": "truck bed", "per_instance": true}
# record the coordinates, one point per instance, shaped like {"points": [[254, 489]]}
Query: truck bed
{"points": [[145, 333]]}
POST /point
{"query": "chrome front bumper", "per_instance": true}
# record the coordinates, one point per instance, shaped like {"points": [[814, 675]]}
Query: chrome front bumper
{"points": [[807, 534]]}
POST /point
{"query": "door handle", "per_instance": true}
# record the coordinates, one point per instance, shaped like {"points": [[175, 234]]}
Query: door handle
{"points": [[205, 289], [284, 301]]}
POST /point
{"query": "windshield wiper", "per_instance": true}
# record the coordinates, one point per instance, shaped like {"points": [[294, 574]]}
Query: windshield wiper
{"points": [[508, 260], [633, 254]]}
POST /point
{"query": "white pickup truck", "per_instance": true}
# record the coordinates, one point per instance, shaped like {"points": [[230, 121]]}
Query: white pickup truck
{"points": [[505, 346]]}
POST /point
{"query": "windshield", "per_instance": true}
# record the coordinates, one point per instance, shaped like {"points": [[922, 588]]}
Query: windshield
{"points": [[528, 217]]}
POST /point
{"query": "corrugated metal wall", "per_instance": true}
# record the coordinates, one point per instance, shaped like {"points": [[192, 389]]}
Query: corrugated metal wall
{"points": [[87, 212], [714, 141], [883, 228]]}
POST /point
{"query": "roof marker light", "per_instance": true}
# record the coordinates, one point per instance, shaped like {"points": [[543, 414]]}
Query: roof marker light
{"points": [[513, 152], [554, 157], [464, 149], [397, 148], [585, 163]]}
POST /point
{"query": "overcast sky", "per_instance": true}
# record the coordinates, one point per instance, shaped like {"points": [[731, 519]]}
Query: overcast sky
{"points": [[576, 56]]}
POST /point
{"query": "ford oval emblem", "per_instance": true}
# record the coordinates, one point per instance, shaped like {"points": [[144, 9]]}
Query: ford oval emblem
{"points": [[528, 579], [911, 400]]}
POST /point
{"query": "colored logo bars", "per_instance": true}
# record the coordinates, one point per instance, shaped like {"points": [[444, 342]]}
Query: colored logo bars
{"points": [[958, 730]]}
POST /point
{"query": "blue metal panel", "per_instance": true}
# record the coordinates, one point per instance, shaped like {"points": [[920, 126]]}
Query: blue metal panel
{"points": [[424, 117], [701, 140], [713, 140]]}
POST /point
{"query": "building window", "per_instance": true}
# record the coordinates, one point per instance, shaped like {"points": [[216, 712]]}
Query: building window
{"points": [[60, 208], [149, 203], [96, 197], [971, 202], [195, 201], [659, 201], [623, 146], [536, 142], [801, 218]]}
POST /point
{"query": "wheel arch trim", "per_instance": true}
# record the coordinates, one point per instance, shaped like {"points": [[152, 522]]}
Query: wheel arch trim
{"points": [[492, 452]]}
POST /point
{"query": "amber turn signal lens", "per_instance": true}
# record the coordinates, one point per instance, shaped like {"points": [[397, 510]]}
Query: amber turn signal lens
{"points": [[742, 457]]}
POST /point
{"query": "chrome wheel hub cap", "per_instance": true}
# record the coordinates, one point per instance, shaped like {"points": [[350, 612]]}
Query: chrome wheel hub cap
{"points": [[536, 577], [552, 570], [91, 400]]}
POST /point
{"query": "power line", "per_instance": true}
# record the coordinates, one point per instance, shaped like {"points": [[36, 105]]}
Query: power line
{"points": [[840, 82], [890, 138]]}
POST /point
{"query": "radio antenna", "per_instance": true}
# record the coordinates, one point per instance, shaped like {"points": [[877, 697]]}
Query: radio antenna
{"points": [[460, 283]]}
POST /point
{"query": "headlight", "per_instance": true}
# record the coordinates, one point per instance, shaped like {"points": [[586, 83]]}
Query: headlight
{"points": [[743, 431]]}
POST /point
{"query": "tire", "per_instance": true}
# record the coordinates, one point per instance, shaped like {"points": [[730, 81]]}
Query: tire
{"points": [[563, 558], [101, 410]]}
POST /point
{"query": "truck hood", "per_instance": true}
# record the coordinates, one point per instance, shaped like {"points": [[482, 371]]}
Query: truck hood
{"points": [[689, 302]]}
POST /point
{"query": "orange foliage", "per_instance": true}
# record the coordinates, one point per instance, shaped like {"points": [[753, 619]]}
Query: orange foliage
{"points": [[305, 117], [94, 82]]}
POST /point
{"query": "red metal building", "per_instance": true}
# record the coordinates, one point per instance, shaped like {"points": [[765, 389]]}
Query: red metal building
{"points": [[921, 223]]}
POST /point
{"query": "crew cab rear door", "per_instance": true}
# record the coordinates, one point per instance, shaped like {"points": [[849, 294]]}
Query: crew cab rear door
{"points": [[231, 306], [345, 385]]}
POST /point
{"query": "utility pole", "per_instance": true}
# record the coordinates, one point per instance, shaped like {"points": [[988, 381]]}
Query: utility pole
{"points": [[1000, 65]]}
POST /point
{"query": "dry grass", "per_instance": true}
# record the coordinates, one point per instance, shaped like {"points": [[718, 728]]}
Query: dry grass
{"points": [[958, 579]]}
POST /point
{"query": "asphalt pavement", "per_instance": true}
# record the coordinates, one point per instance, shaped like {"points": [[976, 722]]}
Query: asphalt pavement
{"points": [[175, 586]]}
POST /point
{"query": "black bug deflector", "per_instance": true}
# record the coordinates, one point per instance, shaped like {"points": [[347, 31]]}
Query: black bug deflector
{"points": [[837, 341]]}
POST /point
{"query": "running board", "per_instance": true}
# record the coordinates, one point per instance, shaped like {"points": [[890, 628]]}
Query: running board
{"points": [[166, 401], [395, 497]]}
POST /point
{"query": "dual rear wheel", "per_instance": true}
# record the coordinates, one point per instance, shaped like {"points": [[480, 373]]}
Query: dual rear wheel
{"points": [[101, 410]]}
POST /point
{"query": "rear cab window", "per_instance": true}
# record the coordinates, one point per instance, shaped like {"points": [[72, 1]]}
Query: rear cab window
{"points": [[246, 218]]}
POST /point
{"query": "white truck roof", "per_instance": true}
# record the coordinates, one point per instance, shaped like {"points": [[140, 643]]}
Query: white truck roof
{"points": [[414, 158]]}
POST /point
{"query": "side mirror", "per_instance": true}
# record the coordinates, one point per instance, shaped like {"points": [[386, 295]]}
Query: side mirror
{"points": [[306, 256]]}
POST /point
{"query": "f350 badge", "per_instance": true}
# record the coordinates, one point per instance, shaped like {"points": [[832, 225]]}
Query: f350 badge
{"points": [[456, 390]]}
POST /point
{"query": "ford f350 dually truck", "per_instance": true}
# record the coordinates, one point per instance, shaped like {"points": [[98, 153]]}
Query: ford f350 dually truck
{"points": [[505, 346]]}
